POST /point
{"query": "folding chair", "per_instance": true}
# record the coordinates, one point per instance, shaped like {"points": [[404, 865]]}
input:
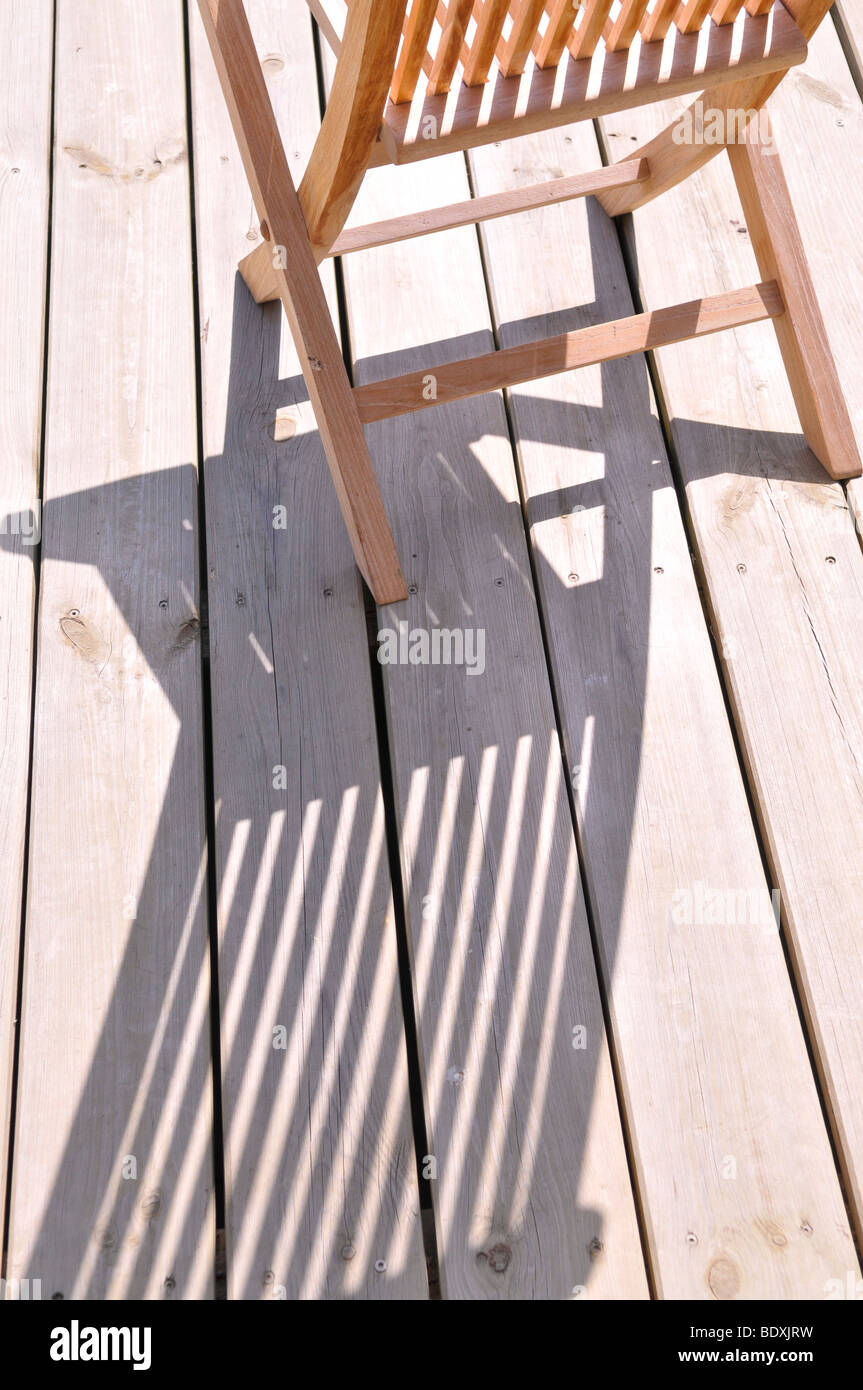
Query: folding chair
{"points": [[414, 81]]}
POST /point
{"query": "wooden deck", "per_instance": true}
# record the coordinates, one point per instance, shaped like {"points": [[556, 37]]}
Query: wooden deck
{"points": [[484, 963]]}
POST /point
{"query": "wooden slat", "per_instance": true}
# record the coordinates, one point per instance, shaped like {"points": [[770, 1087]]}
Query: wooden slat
{"points": [[582, 43], [418, 27], [779, 550], [25, 143], [656, 25], [530, 1163], [561, 18], [112, 1183], [626, 26], [588, 90], [449, 46], [692, 15], [318, 1145], [725, 11], [479, 209], [602, 342], [734, 1170], [759, 6], [488, 29], [525, 22]]}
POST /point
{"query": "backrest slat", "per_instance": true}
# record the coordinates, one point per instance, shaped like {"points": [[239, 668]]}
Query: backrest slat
{"points": [[488, 31], [692, 15], [525, 24], [756, 7], [418, 27], [561, 18], [627, 24], [582, 43], [458, 13], [725, 11]]}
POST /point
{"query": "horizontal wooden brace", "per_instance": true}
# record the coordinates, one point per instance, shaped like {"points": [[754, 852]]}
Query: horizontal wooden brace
{"points": [[485, 209], [258, 271], [473, 376]]}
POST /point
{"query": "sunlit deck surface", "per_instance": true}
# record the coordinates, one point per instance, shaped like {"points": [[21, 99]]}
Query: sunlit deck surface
{"points": [[326, 977]]}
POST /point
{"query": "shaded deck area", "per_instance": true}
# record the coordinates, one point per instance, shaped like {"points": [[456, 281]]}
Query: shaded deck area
{"points": [[532, 974]]}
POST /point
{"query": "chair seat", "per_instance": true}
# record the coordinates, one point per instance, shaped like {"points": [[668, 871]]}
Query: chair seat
{"points": [[577, 89]]}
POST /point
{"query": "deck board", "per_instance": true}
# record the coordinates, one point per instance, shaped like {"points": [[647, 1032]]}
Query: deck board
{"points": [[320, 1166], [112, 1183], [705, 1028], [532, 1196], [779, 552], [25, 142]]}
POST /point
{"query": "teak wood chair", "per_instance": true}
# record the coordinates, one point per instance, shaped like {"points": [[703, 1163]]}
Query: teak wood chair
{"points": [[416, 80]]}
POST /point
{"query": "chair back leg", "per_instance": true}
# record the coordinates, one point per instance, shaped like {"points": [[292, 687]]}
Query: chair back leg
{"points": [[802, 335]]}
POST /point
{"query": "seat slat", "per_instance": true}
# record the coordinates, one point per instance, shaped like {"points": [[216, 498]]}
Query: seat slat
{"points": [[488, 31], [582, 44], [417, 31], [592, 88], [449, 49], [627, 24], [525, 24], [657, 24], [561, 19], [692, 15], [725, 11]]}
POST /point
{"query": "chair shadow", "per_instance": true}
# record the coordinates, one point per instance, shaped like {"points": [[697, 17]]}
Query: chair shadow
{"points": [[315, 828]]}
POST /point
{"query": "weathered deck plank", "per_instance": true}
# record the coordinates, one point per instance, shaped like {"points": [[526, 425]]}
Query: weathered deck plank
{"points": [[532, 1195], [706, 1033], [779, 553], [320, 1168], [112, 1182], [25, 144]]}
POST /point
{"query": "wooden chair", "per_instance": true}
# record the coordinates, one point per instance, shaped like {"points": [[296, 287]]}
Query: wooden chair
{"points": [[413, 81]]}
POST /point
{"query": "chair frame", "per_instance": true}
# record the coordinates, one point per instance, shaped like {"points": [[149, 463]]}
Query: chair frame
{"points": [[360, 130]]}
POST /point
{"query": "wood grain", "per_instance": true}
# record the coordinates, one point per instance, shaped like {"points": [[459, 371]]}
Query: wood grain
{"points": [[532, 1197], [731, 1157], [321, 1181], [778, 549], [25, 144], [112, 1187]]}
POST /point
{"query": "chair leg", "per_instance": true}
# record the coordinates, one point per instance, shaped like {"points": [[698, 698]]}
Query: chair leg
{"points": [[801, 332], [302, 294]]}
